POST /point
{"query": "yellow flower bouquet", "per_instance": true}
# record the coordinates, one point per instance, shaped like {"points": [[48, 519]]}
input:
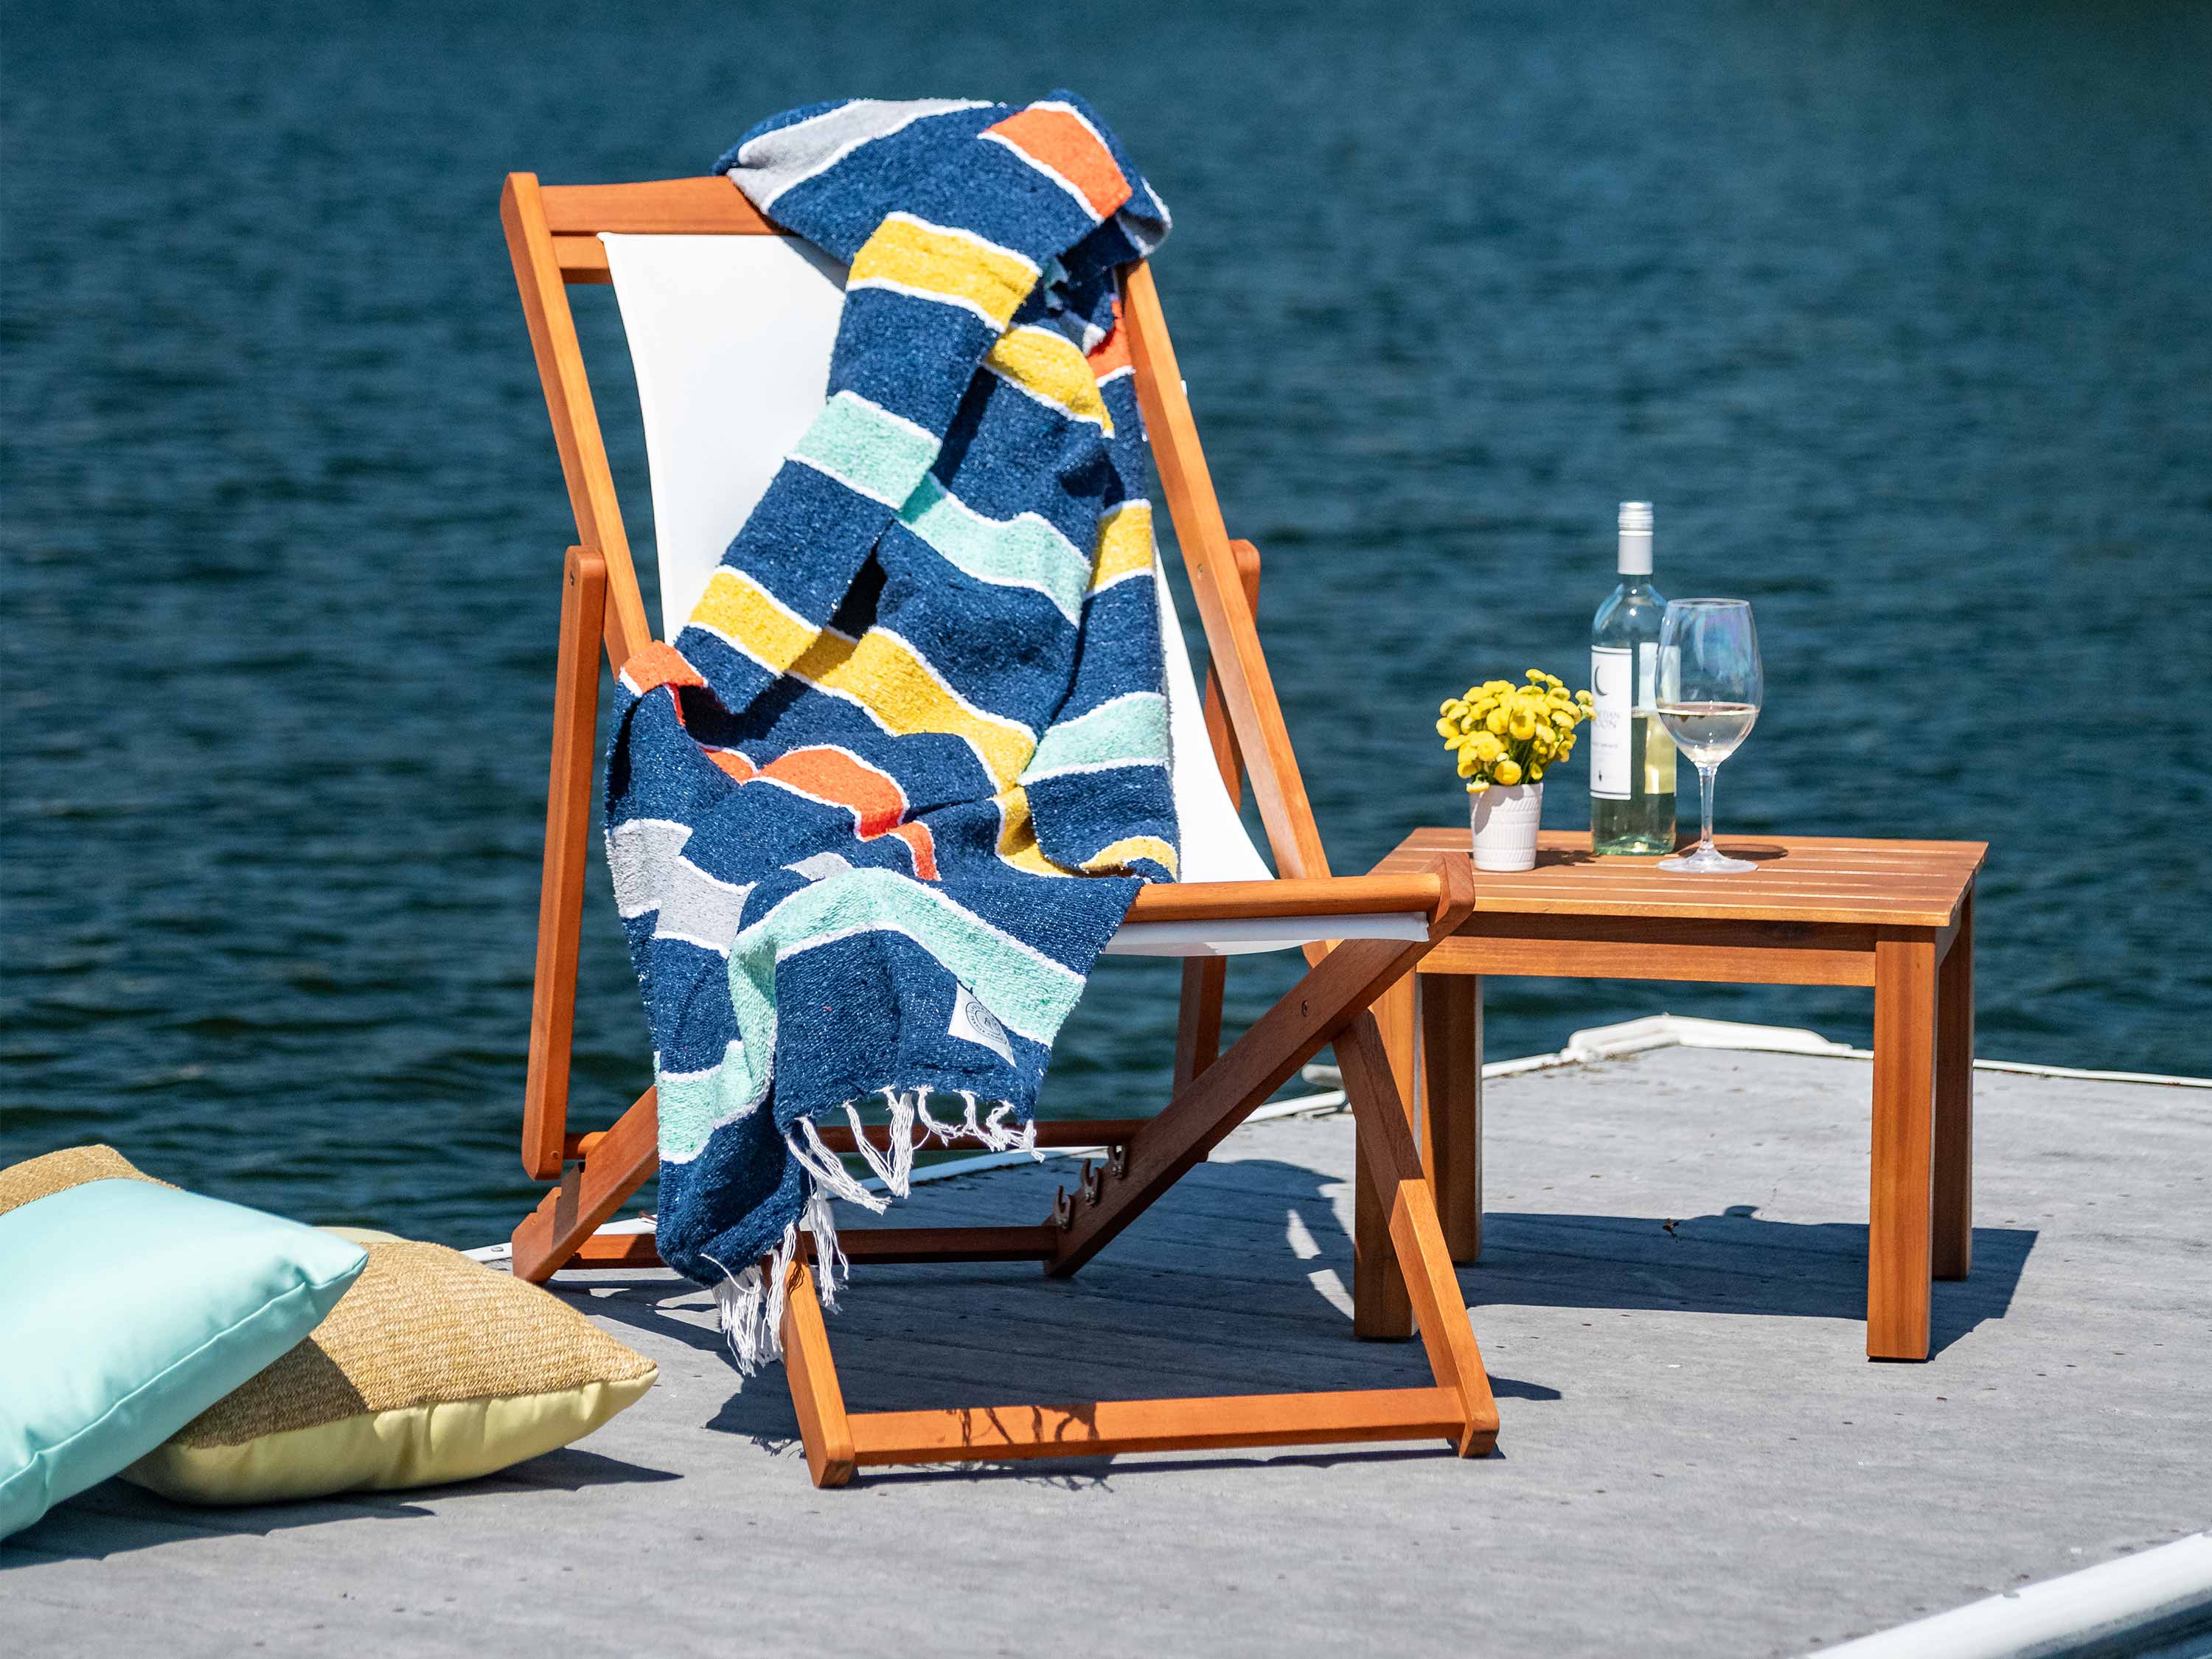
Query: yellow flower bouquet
{"points": [[1506, 734]]}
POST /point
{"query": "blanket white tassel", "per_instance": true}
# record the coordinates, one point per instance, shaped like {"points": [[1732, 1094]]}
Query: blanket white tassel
{"points": [[751, 1303]]}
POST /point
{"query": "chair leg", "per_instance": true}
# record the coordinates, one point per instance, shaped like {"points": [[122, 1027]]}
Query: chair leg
{"points": [[815, 1394], [560, 882], [1451, 1105], [589, 1192]]}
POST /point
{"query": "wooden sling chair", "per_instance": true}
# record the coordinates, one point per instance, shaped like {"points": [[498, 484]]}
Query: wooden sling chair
{"points": [[730, 325]]}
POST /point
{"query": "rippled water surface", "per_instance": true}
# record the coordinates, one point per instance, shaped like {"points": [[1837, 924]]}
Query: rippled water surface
{"points": [[1902, 314]]}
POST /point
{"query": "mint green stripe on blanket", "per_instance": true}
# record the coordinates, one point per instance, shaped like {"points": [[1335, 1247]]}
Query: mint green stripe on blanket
{"points": [[692, 1105], [1022, 552], [867, 449], [1029, 992], [1131, 730]]}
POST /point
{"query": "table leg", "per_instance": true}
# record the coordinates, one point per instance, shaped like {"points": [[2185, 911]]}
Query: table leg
{"points": [[1954, 1253], [1451, 1105], [1382, 1310], [1899, 1205]]}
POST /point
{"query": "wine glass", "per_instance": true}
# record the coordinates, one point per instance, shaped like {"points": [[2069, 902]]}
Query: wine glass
{"points": [[1711, 685]]}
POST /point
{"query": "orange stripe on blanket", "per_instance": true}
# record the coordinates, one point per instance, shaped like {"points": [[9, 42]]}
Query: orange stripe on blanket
{"points": [[835, 777], [920, 842], [1111, 355], [657, 664], [1062, 143], [733, 761]]}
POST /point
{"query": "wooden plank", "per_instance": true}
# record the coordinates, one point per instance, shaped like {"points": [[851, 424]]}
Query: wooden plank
{"points": [[1232, 639], [582, 259], [560, 874], [1898, 1209], [878, 1246], [1952, 1249], [1779, 881], [1067, 1132], [1106, 1427], [1217, 727], [1451, 1106], [824, 1428], [1414, 893], [1893, 905], [704, 206], [615, 1250], [568, 403], [1829, 908], [1557, 846], [1558, 954], [589, 1195], [894, 1245]]}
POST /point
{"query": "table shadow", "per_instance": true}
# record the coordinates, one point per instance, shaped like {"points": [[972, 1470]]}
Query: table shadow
{"points": [[1734, 1262]]}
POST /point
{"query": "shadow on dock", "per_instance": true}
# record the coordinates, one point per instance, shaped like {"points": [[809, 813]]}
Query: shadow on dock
{"points": [[117, 1518], [1734, 1262]]}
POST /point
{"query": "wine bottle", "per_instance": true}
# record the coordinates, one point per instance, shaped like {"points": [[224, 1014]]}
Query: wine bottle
{"points": [[1631, 770]]}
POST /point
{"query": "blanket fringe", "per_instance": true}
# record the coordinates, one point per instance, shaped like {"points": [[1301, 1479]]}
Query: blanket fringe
{"points": [[751, 1303]]}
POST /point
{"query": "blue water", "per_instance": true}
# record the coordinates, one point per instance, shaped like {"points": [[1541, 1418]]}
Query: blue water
{"points": [[1901, 313]]}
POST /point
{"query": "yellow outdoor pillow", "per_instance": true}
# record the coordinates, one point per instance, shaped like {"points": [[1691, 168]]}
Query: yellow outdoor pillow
{"points": [[430, 1368]]}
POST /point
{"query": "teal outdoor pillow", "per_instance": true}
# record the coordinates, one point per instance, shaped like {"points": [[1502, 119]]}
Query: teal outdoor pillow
{"points": [[128, 1309]]}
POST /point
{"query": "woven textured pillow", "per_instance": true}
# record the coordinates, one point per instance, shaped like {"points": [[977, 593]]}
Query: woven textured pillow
{"points": [[127, 1308], [431, 1369]]}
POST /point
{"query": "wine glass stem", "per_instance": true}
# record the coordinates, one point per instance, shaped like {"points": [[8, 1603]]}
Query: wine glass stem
{"points": [[1706, 794]]}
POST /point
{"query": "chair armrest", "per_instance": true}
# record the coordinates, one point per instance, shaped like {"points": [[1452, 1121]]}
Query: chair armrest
{"points": [[1427, 893]]}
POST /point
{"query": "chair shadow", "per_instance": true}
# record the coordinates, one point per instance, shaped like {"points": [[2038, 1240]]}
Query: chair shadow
{"points": [[116, 1517], [641, 1306], [1734, 1262], [1235, 1283]]}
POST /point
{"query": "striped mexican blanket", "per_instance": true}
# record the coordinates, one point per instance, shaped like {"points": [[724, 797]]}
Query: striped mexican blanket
{"points": [[876, 810]]}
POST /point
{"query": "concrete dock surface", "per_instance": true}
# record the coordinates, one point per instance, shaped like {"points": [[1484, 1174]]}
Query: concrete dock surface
{"points": [[1695, 1456]]}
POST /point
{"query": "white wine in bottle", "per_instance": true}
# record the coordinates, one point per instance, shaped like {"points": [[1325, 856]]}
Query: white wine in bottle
{"points": [[1632, 768]]}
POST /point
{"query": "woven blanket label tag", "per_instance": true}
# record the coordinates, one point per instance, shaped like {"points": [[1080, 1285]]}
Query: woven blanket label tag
{"points": [[973, 1023]]}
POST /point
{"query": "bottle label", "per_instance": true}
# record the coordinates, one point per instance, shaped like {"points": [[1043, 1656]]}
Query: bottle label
{"points": [[1612, 675]]}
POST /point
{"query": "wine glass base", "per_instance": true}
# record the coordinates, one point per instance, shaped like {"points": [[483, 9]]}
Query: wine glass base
{"points": [[1707, 861]]}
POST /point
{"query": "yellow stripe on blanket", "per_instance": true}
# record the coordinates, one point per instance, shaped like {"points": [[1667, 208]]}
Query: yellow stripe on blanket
{"points": [[1018, 841], [1124, 547], [1128, 851], [895, 684], [913, 256], [1051, 369], [753, 620]]}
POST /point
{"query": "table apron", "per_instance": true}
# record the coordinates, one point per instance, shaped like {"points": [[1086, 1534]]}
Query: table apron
{"points": [[1658, 948]]}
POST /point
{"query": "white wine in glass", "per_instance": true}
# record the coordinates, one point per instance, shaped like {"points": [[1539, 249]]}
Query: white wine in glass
{"points": [[1711, 685]]}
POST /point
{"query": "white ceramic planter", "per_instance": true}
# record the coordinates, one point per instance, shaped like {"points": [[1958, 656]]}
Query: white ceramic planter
{"points": [[1505, 820]]}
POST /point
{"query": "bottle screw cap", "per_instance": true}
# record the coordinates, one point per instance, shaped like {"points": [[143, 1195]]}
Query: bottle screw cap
{"points": [[1636, 538]]}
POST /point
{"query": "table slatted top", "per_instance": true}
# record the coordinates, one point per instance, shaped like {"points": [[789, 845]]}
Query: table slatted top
{"points": [[1800, 879]]}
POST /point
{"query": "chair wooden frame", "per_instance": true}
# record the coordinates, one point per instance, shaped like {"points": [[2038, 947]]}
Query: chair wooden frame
{"points": [[1404, 1270]]}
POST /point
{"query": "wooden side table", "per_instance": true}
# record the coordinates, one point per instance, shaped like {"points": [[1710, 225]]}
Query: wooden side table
{"points": [[1896, 915]]}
